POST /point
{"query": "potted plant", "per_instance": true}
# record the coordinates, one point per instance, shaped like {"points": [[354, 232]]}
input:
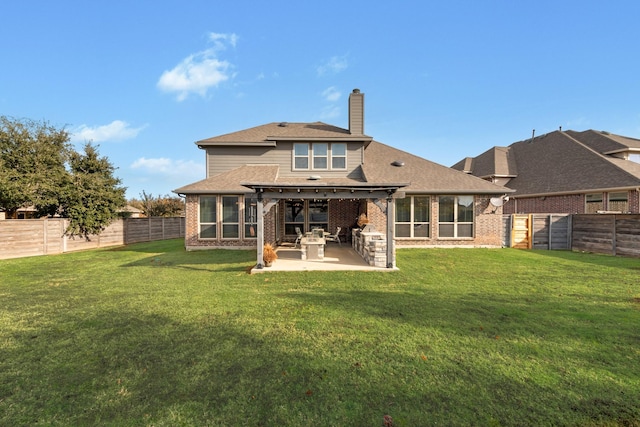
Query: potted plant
{"points": [[268, 254]]}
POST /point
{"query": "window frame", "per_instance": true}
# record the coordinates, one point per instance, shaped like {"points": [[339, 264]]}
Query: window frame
{"points": [[456, 224], [208, 223], [250, 216], [412, 223], [224, 222], [311, 156], [595, 198]]}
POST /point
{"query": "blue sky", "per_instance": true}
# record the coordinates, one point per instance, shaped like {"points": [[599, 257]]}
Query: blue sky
{"points": [[444, 80]]}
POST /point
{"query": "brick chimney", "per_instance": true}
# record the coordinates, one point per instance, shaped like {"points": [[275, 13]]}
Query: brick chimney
{"points": [[356, 112]]}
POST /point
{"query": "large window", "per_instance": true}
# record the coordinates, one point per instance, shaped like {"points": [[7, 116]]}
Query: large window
{"points": [[320, 156], [619, 201], [318, 214], [412, 216], [250, 218], [455, 216], [594, 203], [208, 217], [230, 217], [305, 215], [293, 216]]}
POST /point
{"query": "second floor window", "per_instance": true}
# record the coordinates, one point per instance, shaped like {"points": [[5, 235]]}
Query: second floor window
{"points": [[320, 156]]}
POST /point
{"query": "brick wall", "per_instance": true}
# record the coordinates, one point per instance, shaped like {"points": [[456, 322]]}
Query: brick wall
{"points": [[570, 203], [344, 214]]}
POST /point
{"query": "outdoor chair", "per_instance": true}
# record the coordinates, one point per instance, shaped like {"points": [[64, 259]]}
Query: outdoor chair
{"points": [[334, 237], [300, 236]]}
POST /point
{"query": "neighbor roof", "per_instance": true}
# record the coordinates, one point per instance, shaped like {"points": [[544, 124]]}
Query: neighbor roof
{"points": [[567, 162]]}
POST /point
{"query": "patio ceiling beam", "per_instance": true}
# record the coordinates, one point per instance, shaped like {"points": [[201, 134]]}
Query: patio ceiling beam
{"points": [[324, 194]]}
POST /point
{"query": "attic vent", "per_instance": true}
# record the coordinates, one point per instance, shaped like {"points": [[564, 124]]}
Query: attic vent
{"points": [[314, 177], [283, 124], [397, 163]]}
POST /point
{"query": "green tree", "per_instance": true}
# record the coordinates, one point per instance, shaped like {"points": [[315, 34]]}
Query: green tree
{"points": [[95, 195], [32, 165], [39, 167], [166, 205]]}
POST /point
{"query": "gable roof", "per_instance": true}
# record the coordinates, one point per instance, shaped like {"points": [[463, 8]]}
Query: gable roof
{"points": [[270, 133], [567, 162]]}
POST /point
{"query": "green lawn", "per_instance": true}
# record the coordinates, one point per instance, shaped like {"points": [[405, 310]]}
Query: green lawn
{"points": [[152, 335]]}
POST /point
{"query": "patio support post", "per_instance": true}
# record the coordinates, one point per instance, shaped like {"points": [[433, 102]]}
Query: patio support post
{"points": [[390, 220], [260, 236]]}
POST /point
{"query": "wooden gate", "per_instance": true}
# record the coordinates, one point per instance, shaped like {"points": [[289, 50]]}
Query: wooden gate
{"points": [[521, 231], [539, 231]]}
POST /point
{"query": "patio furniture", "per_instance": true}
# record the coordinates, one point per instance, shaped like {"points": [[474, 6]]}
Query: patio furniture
{"points": [[312, 248], [300, 236], [334, 237]]}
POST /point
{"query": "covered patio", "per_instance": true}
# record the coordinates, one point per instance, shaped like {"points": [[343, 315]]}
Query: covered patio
{"points": [[268, 195], [336, 258]]}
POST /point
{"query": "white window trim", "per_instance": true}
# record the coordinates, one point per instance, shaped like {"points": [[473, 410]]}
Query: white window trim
{"points": [[311, 157]]}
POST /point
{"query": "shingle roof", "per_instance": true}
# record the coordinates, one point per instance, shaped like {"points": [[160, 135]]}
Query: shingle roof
{"points": [[566, 162], [229, 182], [273, 131], [423, 175]]}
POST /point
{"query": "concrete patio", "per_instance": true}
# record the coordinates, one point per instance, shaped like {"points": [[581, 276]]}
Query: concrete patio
{"points": [[336, 258]]}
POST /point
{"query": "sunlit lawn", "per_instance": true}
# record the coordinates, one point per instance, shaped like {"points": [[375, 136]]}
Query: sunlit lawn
{"points": [[152, 335]]}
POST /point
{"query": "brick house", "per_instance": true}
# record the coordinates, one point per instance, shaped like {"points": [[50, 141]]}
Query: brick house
{"points": [[264, 182], [564, 172]]}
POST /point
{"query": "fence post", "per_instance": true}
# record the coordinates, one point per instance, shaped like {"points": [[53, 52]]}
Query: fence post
{"points": [[613, 236]]}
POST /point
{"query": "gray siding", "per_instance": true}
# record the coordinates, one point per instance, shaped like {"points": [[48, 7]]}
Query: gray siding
{"points": [[224, 159]]}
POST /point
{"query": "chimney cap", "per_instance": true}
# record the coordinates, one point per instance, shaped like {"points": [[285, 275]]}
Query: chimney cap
{"points": [[356, 90]]}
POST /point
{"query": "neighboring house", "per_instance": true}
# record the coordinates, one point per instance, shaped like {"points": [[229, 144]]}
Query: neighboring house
{"points": [[307, 175], [564, 172]]}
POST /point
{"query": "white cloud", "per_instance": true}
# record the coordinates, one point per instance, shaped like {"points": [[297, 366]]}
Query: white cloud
{"points": [[117, 130], [331, 94], [333, 66], [199, 72], [165, 166]]}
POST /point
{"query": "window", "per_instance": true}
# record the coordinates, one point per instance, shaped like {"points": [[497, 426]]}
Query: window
{"points": [[320, 155], [323, 156], [230, 217], [455, 216], [619, 202], [318, 214], [412, 216], [301, 156], [594, 203], [293, 216], [250, 218], [338, 156], [208, 217]]}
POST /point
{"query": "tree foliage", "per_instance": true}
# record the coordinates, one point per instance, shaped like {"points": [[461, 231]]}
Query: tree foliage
{"points": [[166, 205], [40, 168], [95, 195], [32, 165]]}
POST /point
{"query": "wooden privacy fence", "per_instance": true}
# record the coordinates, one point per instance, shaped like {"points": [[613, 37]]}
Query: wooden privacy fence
{"points": [[607, 234], [613, 234], [32, 237], [537, 231]]}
